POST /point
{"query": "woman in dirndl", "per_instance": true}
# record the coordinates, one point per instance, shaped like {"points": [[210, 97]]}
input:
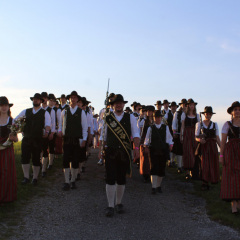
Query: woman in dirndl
{"points": [[230, 159], [207, 134], [187, 136], [8, 180], [144, 168]]}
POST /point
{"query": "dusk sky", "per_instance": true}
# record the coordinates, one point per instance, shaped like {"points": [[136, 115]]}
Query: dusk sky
{"points": [[151, 50]]}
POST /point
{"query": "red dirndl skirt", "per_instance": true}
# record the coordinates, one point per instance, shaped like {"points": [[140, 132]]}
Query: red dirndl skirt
{"points": [[8, 179], [144, 162], [189, 147], [58, 145], [210, 161], [230, 185]]}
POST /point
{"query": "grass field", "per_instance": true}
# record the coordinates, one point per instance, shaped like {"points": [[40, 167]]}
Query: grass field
{"points": [[217, 209]]}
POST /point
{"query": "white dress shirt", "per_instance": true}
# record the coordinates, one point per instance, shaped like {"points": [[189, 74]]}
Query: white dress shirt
{"points": [[134, 127], [47, 116], [83, 121], [53, 118], [169, 138], [183, 117]]}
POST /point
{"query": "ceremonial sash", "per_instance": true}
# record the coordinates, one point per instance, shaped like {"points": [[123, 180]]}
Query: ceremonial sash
{"points": [[120, 133]]}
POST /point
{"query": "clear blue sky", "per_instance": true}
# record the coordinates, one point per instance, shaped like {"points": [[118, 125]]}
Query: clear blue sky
{"points": [[151, 50]]}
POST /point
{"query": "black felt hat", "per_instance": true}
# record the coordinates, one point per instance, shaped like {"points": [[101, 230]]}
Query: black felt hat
{"points": [[166, 101], [133, 104], [234, 104], [183, 101], [79, 98], [128, 109], [190, 100], [51, 96], [62, 96], [111, 95], [150, 108], [4, 101], [37, 95], [158, 103], [208, 109], [158, 113], [73, 93], [143, 107], [44, 95], [174, 104], [118, 98], [137, 104]]}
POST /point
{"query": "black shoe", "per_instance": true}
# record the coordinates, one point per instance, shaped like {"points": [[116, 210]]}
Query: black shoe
{"points": [[119, 208], [49, 167], [73, 185], [25, 181], [44, 174], [83, 169], [235, 213], [188, 177], [66, 187], [159, 189], [78, 177], [154, 191], [34, 182], [109, 212]]}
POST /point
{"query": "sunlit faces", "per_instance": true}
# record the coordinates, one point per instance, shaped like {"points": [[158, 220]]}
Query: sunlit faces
{"points": [[159, 106], [191, 106], [165, 105], [149, 113], [137, 109], [63, 101], [80, 104], [236, 112], [52, 102], [157, 120], [184, 106], [73, 100], [173, 109], [208, 116], [4, 108], [36, 102], [118, 106], [45, 100]]}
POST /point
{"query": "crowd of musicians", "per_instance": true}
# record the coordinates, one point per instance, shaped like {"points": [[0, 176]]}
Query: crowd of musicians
{"points": [[152, 137]]}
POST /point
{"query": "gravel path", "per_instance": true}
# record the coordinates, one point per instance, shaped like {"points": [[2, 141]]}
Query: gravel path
{"points": [[79, 214]]}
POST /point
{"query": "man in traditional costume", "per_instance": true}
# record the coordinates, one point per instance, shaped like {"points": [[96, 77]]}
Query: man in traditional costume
{"points": [[117, 137]]}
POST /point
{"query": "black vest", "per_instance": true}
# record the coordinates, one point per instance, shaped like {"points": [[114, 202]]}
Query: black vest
{"points": [[233, 132], [190, 122], [146, 125], [210, 133], [74, 123], [56, 119], [5, 131], [34, 123], [179, 114], [65, 107], [112, 140], [158, 139]]}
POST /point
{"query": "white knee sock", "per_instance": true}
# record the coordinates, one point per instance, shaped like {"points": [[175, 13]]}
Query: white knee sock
{"points": [[26, 168], [36, 170], [119, 193], [172, 155], [179, 161], [159, 181], [51, 158], [154, 181], [44, 164], [74, 172], [66, 174], [111, 192]]}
